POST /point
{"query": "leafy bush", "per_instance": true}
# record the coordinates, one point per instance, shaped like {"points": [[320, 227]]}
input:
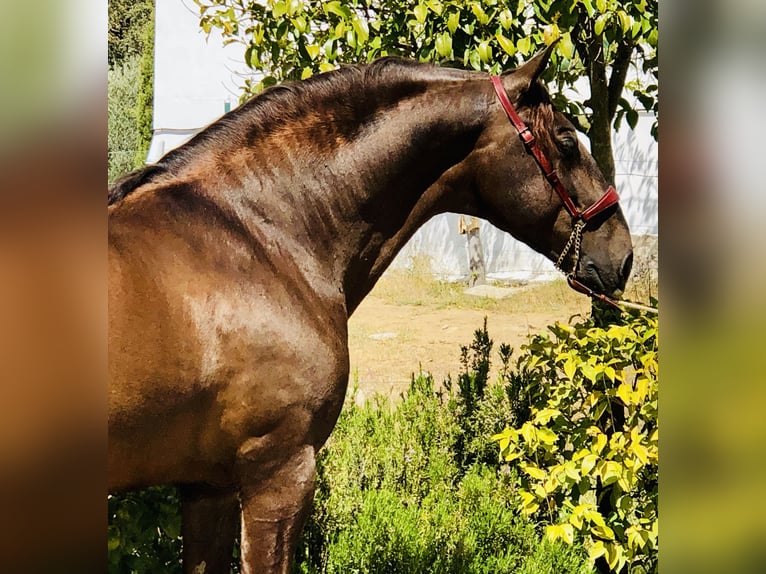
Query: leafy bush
{"points": [[144, 533], [123, 139], [145, 95], [394, 497], [585, 438]]}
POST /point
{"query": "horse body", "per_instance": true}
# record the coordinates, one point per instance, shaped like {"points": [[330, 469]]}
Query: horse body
{"points": [[235, 264]]}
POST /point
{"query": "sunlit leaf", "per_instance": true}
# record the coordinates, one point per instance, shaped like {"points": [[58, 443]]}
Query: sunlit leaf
{"points": [[505, 44], [421, 12]]}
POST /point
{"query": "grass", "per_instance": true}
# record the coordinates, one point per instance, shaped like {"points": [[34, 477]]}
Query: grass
{"points": [[418, 286]]}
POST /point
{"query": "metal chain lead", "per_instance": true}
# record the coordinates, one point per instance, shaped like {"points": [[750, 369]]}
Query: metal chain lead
{"points": [[574, 239]]}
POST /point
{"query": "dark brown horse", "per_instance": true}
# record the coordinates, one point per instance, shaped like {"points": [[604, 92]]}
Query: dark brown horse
{"points": [[236, 261]]}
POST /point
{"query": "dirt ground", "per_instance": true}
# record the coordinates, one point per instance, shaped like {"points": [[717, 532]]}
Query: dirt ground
{"points": [[390, 340]]}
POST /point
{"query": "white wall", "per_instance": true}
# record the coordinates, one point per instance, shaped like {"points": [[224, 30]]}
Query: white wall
{"points": [[194, 76]]}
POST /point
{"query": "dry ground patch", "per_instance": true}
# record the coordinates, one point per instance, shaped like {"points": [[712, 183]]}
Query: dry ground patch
{"points": [[410, 321]]}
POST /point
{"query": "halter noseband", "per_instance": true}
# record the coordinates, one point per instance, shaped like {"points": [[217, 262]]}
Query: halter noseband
{"points": [[580, 218]]}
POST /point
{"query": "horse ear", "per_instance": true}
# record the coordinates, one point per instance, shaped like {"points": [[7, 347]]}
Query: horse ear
{"points": [[528, 73]]}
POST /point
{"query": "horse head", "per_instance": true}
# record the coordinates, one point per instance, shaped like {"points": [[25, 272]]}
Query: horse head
{"points": [[579, 225]]}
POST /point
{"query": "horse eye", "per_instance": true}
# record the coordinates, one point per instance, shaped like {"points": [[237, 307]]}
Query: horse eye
{"points": [[568, 145]]}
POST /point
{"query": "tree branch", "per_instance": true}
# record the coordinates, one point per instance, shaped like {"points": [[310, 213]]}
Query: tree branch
{"points": [[619, 73]]}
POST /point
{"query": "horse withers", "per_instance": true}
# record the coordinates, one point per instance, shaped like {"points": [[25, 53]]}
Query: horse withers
{"points": [[237, 259]]}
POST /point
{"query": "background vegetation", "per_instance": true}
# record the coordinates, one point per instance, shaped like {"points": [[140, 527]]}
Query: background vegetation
{"points": [[131, 80]]}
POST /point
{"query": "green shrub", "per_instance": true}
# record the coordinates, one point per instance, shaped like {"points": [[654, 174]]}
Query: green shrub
{"points": [[585, 444], [393, 495], [145, 96], [122, 140], [144, 532]]}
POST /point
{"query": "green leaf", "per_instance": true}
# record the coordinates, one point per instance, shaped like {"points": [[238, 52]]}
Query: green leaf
{"points": [[474, 59], [597, 550], [313, 51], [529, 433], [636, 29], [611, 472], [421, 11], [279, 9], [598, 27], [590, 372], [613, 555], [534, 471], [485, 51], [505, 44], [625, 22], [453, 21], [567, 46], [435, 6], [544, 415], [570, 368], [637, 537], [602, 531], [625, 393], [546, 436], [506, 19], [113, 539], [563, 531], [293, 7], [444, 45], [529, 502], [524, 45], [588, 462], [337, 8], [479, 12], [362, 30], [601, 5]]}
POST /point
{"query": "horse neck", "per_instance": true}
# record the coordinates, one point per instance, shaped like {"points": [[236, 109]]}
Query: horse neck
{"points": [[341, 198], [394, 179]]}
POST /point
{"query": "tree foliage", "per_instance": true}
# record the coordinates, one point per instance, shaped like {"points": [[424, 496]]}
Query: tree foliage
{"points": [[145, 97], [122, 129], [127, 20], [599, 40], [131, 81]]}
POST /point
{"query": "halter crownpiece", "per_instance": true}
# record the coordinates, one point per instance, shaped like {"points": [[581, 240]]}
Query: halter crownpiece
{"points": [[610, 196], [579, 217]]}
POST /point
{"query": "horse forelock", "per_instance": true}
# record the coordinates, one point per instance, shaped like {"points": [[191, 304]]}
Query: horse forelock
{"points": [[540, 111]]}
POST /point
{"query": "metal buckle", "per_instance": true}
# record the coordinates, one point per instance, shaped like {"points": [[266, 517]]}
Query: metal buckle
{"points": [[527, 137]]}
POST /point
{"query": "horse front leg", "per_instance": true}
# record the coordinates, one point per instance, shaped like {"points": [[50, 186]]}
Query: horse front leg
{"points": [[209, 527], [276, 498]]}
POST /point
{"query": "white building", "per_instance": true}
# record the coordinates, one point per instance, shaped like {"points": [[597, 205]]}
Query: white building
{"points": [[197, 79]]}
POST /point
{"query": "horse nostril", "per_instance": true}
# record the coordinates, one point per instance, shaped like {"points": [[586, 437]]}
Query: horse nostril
{"points": [[627, 265]]}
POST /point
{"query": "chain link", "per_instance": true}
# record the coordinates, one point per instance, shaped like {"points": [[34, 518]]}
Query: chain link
{"points": [[574, 239]]}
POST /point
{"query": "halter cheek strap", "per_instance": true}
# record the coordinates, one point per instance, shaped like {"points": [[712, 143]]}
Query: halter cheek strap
{"points": [[580, 217]]}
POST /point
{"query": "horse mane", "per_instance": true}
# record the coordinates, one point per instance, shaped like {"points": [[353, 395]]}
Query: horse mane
{"points": [[267, 111], [286, 102]]}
